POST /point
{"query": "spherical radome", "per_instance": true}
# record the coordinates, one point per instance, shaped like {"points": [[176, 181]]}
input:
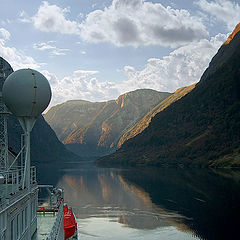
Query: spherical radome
{"points": [[26, 93]]}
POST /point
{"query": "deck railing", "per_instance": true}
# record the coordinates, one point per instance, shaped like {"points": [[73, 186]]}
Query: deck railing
{"points": [[33, 175], [11, 181], [57, 231]]}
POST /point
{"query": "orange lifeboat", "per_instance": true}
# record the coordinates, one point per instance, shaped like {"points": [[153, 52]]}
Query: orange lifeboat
{"points": [[70, 224]]}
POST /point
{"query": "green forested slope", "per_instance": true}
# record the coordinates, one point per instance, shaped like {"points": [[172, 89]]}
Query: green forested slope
{"points": [[202, 128], [144, 122]]}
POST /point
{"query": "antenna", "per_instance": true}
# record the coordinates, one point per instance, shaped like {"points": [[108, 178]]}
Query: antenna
{"points": [[5, 71], [26, 93]]}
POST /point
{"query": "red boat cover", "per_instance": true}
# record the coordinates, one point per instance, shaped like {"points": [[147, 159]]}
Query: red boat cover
{"points": [[70, 224]]}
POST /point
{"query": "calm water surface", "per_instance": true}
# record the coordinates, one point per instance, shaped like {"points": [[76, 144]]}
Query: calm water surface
{"points": [[174, 204]]}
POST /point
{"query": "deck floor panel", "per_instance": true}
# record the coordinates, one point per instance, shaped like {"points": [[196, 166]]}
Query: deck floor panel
{"points": [[44, 225]]}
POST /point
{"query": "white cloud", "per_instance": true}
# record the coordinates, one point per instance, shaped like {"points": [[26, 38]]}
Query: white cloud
{"points": [[129, 69], [16, 58], [84, 73], [51, 18], [5, 34], [182, 67], [43, 46], [23, 17], [80, 15], [224, 10], [136, 22], [52, 78], [5, 21], [59, 52], [82, 84], [48, 46], [125, 23]]}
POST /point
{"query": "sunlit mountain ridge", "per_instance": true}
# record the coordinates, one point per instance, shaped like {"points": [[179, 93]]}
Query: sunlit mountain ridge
{"points": [[94, 128], [200, 129], [145, 121]]}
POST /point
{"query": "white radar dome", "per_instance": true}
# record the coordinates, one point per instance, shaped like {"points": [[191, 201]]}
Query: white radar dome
{"points": [[26, 93]]}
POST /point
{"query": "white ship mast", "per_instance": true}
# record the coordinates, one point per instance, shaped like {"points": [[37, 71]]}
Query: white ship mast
{"points": [[26, 93]]}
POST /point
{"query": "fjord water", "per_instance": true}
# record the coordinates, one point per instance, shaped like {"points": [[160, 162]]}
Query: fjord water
{"points": [[163, 203]]}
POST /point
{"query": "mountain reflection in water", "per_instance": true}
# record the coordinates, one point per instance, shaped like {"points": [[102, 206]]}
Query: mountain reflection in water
{"points": [[208, 199], [153, 203]]}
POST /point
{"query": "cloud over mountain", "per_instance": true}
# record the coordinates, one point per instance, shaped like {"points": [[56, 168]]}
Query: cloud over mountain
{"points": [[136, 22], [16, 58], [181, 67], [125, 23], [51, 18], [5, 34], [50, 47], [224, 10], [81, 84]]}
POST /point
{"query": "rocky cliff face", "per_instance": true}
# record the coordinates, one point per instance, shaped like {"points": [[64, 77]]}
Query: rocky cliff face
{"points": [[67, 117], [202, 128], [145, 121], [232, 35], [90, 129]]}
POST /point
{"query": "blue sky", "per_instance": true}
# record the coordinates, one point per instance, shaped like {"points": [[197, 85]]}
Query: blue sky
{"points": [[96, 50]]}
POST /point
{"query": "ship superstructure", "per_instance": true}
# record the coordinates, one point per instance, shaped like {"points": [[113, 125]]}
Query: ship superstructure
{"points": [[18, 182], [18, 204]]}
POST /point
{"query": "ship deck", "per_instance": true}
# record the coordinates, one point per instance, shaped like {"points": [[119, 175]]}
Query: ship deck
{"points": [[44, 225]]}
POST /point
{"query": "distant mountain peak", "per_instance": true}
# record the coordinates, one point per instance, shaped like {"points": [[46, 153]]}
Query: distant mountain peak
{"points": [[232, 35], [95, 128], [136, 96]]}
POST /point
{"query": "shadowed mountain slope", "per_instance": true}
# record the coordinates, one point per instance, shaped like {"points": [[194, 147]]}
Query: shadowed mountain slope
{"points": [[45, 146], [202, 128], [144, 122]]}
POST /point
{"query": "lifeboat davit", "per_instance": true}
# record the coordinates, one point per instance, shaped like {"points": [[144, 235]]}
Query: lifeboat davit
{"points": [[70, 223]]}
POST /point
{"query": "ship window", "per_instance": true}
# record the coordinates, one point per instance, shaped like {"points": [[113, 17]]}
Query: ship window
{"points": [[18, 226], [31, 210], [12, 230], [3, 221], [23, 223], [35, 207], [26, 219]]}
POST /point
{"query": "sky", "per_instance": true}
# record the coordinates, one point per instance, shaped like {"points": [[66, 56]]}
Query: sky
{"points": [[96, 50]]}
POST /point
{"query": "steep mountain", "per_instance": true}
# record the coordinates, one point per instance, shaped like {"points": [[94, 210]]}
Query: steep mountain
{"points": [[45, 146], [202, 128], [232, 35], [144, 122], [94, 129], [71, 115]]}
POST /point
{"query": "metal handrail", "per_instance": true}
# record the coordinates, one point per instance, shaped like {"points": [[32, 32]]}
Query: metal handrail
{"points": [[58, 225], [33, 175], [14, 178]]}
